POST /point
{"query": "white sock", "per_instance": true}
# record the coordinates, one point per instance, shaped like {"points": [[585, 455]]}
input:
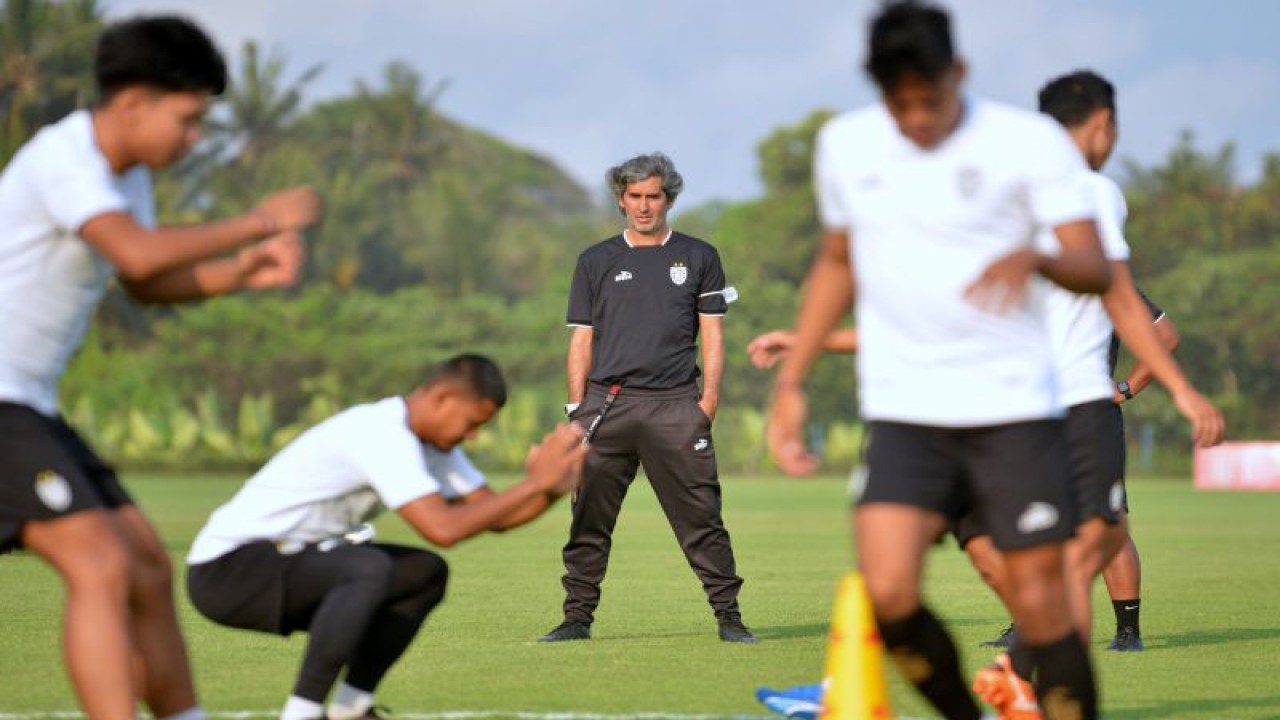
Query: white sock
{"points": [[297, 708], [195, 712], [349, 703]]}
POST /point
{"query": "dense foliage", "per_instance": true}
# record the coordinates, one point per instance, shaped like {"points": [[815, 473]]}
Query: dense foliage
{"points": [[440, 239]]}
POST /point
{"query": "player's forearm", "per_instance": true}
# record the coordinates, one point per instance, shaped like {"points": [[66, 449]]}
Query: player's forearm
{"points": [[828, 294], [193, 282], [1081, 267], [711, 330], [140, 254], [578, 364], [1133, 325], [1140, 376], [529, 511], [472, 518], [841, 341]]}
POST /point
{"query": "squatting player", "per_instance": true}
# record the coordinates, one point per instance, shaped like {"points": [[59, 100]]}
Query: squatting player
{"points": [[288, 552], [935, 194]]}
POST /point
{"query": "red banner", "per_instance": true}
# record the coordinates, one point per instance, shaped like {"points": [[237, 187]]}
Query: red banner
{"points": [[1238, 466]]}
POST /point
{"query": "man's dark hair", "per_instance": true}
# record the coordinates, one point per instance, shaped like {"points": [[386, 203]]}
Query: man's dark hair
{"points": [[1072, 99], [909, 38], [476, 373], [164, 52]]}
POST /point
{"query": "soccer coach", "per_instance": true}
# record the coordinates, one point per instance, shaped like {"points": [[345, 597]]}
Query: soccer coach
{"points": [[638, 302]]}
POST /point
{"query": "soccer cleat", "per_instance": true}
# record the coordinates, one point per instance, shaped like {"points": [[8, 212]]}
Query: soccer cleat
{"points": [[1001, 688], [1005, 640], [735, 632], [1126, 640], [568, 630]]}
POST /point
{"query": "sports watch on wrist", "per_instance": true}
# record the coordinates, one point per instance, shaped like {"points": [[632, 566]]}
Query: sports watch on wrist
{"points": [[1125, 390]]}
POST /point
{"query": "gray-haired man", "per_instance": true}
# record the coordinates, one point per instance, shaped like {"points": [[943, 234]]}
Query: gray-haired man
{"points": [[638, 302]]}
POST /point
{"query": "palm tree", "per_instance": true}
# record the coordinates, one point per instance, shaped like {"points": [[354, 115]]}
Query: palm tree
{"points": [[46, 61]]}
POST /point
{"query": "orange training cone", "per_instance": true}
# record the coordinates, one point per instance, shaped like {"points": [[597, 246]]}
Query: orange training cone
{"points": [[856, 687]]}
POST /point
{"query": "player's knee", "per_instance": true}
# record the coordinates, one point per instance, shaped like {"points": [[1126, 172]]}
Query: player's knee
{"points": [[892, 598], [105, 575], [150, 571], [368, 567]]}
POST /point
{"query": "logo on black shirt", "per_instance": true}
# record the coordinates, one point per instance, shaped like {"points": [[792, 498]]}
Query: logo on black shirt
{"points": [[624, 275], [679, 273]]}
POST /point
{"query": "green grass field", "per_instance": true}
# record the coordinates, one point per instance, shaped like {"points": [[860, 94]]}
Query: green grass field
{"points": [[1210, 617]]}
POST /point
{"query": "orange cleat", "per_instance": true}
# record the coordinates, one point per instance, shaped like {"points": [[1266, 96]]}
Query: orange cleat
{"points": [[1001, 688]]}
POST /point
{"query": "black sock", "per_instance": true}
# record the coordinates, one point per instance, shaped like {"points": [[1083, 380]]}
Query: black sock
{"points": [[1127, 614], [926, 657], [1064, 679]]}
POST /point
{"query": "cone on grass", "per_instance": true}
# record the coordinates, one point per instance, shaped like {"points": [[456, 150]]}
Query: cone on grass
{"points": [[856, 687]]}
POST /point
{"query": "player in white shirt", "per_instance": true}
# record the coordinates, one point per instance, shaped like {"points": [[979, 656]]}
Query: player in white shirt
{"points": [[291, 551], [1082, 328], [76, 211], [937, 196]]}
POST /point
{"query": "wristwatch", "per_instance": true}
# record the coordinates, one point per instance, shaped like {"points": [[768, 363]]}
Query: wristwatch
{"points": [[1125, 390]]}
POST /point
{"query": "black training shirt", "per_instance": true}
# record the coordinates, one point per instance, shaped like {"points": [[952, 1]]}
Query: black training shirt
{"points": [[642, 304]]}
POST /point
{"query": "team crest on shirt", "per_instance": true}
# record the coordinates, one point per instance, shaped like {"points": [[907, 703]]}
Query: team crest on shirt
{"points": [[53, 490], [679, 272], [968, 180]]}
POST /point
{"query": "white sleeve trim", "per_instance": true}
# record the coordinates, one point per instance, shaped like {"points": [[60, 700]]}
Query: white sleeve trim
{"points": [[577, 325], [702, 314]]}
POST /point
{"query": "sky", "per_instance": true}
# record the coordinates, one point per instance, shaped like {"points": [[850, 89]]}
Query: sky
{"points": [[589, 83]]}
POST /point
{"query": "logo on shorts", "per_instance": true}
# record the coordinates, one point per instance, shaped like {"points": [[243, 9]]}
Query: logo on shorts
{"points": [[53, 490], [1038, 516], [701, 444], [679, 273], [858, 482], [1116, 498], [624, 275]]}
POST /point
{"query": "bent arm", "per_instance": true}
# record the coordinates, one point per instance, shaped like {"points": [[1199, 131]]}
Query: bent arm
{"points": [[1081, 267], [828, 294], [1133, 325], [524, 513], [1140, 376], [445, 525], [140, 254]]}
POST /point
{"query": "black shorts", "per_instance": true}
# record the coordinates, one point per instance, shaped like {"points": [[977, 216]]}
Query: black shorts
{"points": [[1095, 444], [48, 471], [1096, 459], [1013, 477], [257, 587]]}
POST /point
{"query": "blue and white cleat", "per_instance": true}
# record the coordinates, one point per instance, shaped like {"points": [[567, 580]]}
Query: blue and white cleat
{"points": [[802, 701]]}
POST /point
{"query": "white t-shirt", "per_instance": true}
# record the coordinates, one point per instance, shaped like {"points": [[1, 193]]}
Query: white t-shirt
{"points": [[333, 477], [923, 225], [50, 279], [1078, 324]]}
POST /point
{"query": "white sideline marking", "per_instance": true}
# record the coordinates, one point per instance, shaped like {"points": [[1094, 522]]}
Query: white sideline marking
{"points": [[443, 715]]}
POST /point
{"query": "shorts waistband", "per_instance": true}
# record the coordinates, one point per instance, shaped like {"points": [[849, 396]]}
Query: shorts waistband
{"points": [[690, 390]]}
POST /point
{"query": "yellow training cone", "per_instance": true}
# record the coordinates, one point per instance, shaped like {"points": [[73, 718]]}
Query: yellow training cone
{"points": [[856, 687]]}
